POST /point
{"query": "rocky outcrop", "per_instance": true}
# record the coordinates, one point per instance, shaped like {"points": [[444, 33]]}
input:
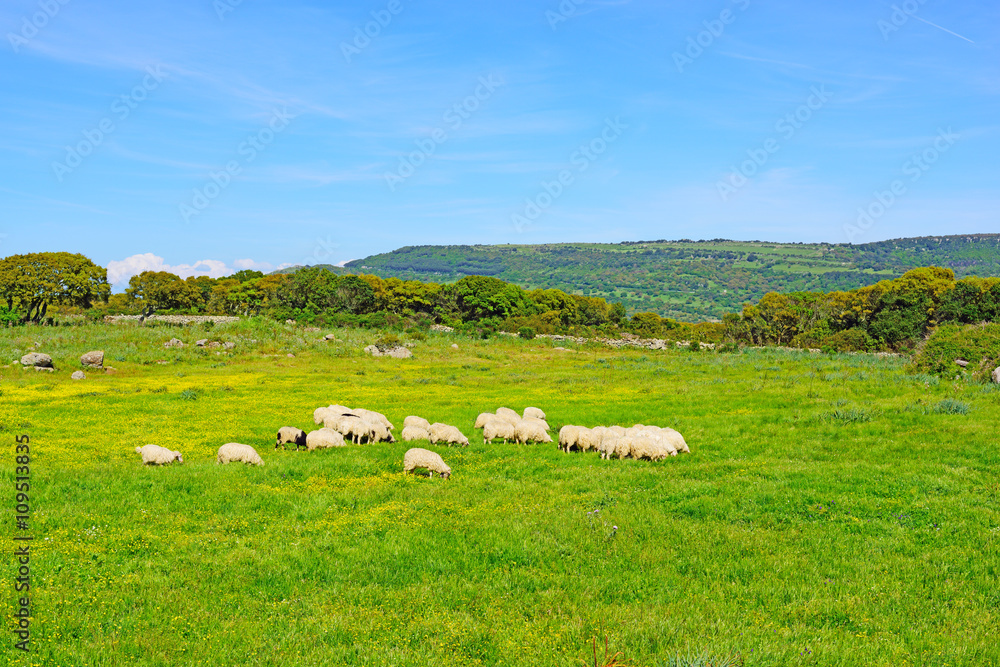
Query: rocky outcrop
{"points": [[93, 359]]}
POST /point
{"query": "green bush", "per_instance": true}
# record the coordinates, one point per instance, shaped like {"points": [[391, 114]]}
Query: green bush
{"points": [[8, 317], [850, 340], [950, 406], [527, 333], [977, 344]]}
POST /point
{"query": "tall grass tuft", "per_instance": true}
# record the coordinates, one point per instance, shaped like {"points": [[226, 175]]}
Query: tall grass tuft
{"points": [[705, 660], [950, 406]]}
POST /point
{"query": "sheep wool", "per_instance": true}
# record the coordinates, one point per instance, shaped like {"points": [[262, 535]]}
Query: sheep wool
{"points": [[509, 415], [417, 421], [484, 418], [154, 455], [531, 431], [411, 433], [498, 428], [324, 438], [450, 435], [544, 424], [290, 436], [373, 417], [417, 459], [237, 453], [568, 436], [533, 413]]}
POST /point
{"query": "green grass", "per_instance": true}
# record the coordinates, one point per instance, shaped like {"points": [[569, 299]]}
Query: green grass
{"points": [[786, 537]]}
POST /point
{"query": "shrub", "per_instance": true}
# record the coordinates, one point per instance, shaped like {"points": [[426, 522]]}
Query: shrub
{"points": [[850, 340], [189, 395], [8, 317], [950, 406], [527, 333], [387, 341], [977, 344]]}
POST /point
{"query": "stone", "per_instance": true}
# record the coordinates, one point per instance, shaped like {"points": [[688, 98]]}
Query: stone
{"points": [[962, 362], [289, 321], [454, 346], [78, 376], [996, 376], [173, 342], [214, 344], [329, 337], [201, 343], [290, 355], [45, 369], [399, 353], [228, 346], [37, 359], [311, 329], [93, 359], [110, 371]]}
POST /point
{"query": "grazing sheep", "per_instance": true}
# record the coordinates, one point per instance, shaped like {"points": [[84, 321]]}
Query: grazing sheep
{"points": [[647, 447], [607, 444], [425, 459], [677, 440], [373, 417], [290, 436], [483, 418], [324, 438], [533, 413], [498, 428], [322, 414], [411, 433], [417, 421], [585, 440], [543, 423], [380, 433], [154, 455], [352, 427], [531, 431], [568, 436], [450, 435], [236, 453], [509, 415]]}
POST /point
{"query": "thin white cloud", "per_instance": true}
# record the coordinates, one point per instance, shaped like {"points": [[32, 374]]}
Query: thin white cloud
{"points": [[945, 29], [120, 271]]}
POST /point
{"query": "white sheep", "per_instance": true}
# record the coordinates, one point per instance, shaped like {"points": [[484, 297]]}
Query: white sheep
{"points": [[418, 422], [154, 455], [447, 434], [373, 417], [411, 433], [544, 424], [677, 440], [237, 453], [290, 436], [608, 442], [380, 433], [353, 427], [324, 438], [509, 415], [483, 418], [568, 436], [498, 428], [427, 460], [531, 431], [533, 413]]}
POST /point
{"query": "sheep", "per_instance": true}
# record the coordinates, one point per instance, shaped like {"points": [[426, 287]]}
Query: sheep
{"points": [[324, 438], [411, 433], [290, 436], [542, 422], [623, 447], [153, 455], [533, 413], [236, 453], [373, 417], [353, 427], [450, 435], [509, 415], [483, 418], [585, 440], [531, 431], [417, 421], [379, 432], [498, 428], [606, 445], [568, 436], [425, 459], [647, 447], [677, 440], [322, 414]]}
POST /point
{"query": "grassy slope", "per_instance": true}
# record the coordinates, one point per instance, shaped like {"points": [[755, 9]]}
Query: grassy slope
{"points": [[690, 281], [794, 538]]}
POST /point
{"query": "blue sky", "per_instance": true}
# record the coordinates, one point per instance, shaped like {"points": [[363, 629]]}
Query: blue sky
{"points": [[203, 136]]}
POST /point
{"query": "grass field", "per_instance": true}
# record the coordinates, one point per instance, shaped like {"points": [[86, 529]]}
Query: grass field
{"points": [[834, 510]]}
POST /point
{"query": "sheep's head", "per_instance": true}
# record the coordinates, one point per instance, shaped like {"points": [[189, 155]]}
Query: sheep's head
{"points": [[178, 457], [446, 474]]}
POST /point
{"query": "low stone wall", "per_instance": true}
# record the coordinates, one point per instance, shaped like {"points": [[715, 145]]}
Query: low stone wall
{"points": [[174, 319]]}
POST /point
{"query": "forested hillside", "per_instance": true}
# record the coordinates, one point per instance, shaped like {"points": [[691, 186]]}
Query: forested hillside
{"points": [[688, 280]]}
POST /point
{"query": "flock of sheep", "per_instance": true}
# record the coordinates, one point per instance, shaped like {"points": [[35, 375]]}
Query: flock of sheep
{"points": [[341, 425]]}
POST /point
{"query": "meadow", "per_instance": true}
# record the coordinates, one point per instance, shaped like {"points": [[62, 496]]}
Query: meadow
{"points": [[835, 509]]}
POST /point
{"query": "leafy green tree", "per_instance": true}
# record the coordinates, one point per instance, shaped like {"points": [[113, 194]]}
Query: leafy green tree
{"points": [[246, 275], [482, 297], [161, 290], [30, 283]]}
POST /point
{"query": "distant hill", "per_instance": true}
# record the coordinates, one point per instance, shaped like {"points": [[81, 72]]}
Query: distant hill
{"points": [[687, 280]]}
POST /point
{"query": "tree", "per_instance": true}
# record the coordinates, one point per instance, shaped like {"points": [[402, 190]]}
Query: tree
{"points": [[30, 283], [161, 290]]}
